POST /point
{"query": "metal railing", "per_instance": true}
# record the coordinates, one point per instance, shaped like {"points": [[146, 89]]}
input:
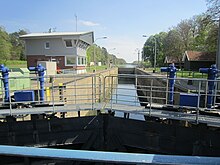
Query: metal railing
{"points": [[151, 94], [147, 95], [62, 93], [101, 157]]}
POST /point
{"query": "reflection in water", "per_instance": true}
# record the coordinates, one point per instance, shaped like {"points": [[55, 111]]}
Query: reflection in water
{"points": [[126, 94]]}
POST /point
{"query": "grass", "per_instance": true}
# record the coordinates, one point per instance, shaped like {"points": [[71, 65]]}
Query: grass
{"points": [[15, 64], [97, 68], [190, 74]]}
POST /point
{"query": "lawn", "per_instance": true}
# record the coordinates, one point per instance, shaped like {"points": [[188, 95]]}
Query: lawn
{"points": [[15, 64], [190, 74], [90, 69]]}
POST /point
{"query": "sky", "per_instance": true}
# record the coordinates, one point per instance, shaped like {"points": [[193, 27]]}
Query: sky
{"points": [[123, 22]]}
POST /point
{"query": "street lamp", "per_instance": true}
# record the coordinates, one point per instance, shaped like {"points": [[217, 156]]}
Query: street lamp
{"points": [[94, 48], [108, 64], [155, 52], [138, 57]]}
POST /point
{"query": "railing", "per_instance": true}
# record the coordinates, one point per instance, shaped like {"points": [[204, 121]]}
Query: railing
{"points": [[153, 93], [148, 95], [62, 93], [101, 157]]}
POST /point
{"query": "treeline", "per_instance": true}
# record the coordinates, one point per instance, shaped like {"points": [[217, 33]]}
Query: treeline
{"points": [[97, 54], [11, 47], [199, 33]]}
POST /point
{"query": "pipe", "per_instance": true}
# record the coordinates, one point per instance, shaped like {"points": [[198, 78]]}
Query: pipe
{"points": [[41, 72], [212, 75], [5, 74], [172, 75]]}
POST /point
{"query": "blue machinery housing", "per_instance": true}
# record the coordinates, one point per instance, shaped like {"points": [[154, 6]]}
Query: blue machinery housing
{"points": [[41, 72], [212, 75], [5, 74]]}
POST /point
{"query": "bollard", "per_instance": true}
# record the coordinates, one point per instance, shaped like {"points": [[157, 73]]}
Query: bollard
{"points": [[212, 75], [172, 75], [5, 74], [41, 71]]}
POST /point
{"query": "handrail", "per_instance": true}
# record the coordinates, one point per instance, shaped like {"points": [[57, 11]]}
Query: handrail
{"points": [[105, 157]]}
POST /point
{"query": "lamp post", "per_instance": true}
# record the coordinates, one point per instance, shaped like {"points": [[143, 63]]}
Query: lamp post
{"points": [[94, 49], [108, 64], [155, 52]]}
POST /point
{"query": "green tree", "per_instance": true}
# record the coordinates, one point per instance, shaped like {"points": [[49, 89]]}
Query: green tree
{"points": [[173, 45], [18, 45], [5, 45]]}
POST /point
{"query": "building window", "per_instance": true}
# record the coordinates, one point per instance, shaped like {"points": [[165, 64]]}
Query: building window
{"points": [[70, 60], [81, 61], [47, 45], [68, 43]]}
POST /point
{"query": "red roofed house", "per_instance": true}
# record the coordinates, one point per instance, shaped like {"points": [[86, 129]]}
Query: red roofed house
{"points": [[177, 62], [193, 60]]}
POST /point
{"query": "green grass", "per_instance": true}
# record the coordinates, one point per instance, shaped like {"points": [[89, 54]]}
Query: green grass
{"points": [[190, 74], [15, 64], [90, 69]]}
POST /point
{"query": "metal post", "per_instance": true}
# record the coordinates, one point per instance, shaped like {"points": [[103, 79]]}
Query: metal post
{"points": [[136, 98], [198, 103], [111, 91], [151, 95], [155, 55], [10, 105], [100, 89], [53, 96], [92, 92], [167, 92], [75, 91], [218, 50]]}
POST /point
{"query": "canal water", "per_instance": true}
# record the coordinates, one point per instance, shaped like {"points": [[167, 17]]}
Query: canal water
{"points": [[126, 94]]}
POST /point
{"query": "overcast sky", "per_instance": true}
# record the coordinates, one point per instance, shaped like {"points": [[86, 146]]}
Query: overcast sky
{"points": [[122, 21]]}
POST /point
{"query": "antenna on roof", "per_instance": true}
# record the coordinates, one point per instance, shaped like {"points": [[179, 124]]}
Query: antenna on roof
{"points": [[76, 21]]}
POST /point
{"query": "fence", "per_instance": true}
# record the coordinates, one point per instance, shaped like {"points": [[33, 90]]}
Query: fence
{"points": [[67, 93]]}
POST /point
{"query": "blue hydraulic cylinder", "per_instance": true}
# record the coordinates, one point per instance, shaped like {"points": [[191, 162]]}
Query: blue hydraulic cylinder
{"points": [[212, 75], [5, 74], [41, 72], [172, 75]]}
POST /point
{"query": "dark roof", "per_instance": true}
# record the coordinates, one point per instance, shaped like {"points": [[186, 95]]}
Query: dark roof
{"points": [[200, 56]]}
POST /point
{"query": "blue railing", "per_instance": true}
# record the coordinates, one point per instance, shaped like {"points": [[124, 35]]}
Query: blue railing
{"points": [[106, 157]]}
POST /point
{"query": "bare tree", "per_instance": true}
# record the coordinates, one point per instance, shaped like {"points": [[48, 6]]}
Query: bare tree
{"points": [[214, 9], [185, 30]]}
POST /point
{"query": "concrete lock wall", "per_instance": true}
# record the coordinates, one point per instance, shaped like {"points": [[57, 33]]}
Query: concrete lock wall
{"points": [[80, 89], [160, 92]]}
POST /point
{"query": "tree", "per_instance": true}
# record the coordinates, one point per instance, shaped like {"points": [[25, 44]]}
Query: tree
{"points": [[213, 9], [173, 45], [186, 33], [17, 52], [5, 45]]}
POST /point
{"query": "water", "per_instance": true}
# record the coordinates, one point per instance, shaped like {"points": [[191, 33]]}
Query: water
{"points": [[128, 66], [126, 94]]}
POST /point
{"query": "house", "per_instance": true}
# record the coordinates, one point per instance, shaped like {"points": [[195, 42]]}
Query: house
{"points": [[67, 49], [193, 60], [169, 60]]}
